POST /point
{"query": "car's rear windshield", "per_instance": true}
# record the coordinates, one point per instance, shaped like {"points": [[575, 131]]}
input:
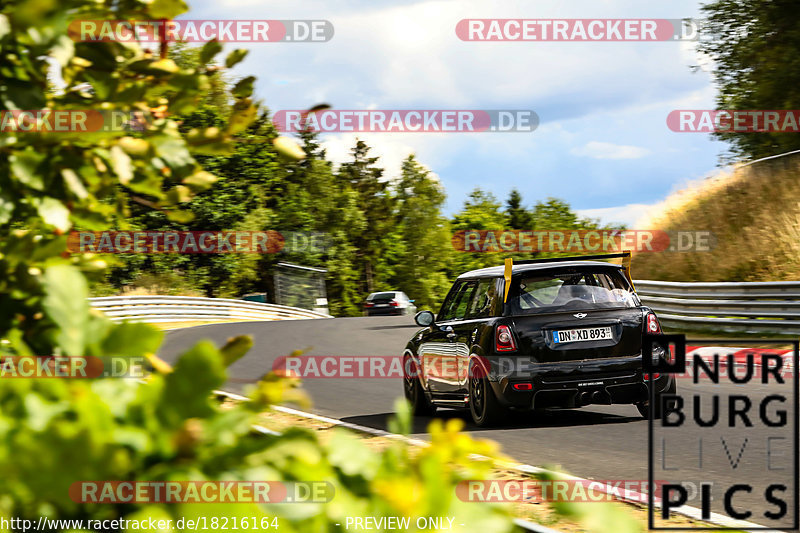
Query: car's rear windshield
{"points": [[381, 296], [570, 290]]}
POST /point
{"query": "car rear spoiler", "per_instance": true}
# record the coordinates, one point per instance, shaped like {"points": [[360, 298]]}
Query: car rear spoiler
{"points": [[626, 264]]}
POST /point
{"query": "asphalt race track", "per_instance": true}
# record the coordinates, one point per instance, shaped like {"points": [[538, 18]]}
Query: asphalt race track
{"points": [[599, 442]]}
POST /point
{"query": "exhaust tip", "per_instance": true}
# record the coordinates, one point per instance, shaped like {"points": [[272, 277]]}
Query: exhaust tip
{"points": [[585, 398], [601, 397]]}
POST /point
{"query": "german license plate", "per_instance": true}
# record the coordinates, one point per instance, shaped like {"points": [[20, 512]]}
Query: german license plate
{"points": [[581, 335]]}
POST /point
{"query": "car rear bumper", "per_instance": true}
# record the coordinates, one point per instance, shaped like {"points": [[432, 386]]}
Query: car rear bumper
{"points": [[577, 383], [385, 311]]}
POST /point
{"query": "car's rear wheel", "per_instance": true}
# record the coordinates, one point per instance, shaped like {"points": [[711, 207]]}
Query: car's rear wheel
{"points": [[644, 407], [484, 406], [412, 388]]}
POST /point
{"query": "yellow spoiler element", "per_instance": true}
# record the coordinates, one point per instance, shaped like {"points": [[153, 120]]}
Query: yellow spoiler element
{"points": [[507, 276], [626, 263], [625, 255]]}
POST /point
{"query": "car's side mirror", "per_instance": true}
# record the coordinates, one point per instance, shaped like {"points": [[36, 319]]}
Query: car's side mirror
{"points": [[412, 301], [424, 318]]}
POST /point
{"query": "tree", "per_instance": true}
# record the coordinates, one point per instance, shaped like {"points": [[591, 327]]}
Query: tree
{"points": [[247, 177], [555, 214], [375, 204], [422, 234], [60, 432], [756, 53], [518, 216], [92, 180], [481, 211]]}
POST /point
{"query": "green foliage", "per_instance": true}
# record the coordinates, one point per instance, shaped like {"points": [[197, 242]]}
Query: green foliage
{"points": [[204, 130], [375, 205], [208, 158], [755, 49], [382, 234], [597, 517], [52, 182], [482, 211], [557, 214], [518, 216], [236, 202], [423, 236], [56, 432]]}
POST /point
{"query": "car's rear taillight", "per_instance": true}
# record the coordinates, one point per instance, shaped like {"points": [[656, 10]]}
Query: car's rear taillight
{"points": [[394, 303], [658, 351], [652, 324], [503, 340], [523, 386], [368, 304]]}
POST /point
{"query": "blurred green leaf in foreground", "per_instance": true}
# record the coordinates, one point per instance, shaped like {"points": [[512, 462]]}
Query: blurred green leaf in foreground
{"points": [[168, 427]]}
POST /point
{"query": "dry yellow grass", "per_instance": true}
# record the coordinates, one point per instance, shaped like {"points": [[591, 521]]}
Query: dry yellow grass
{"points": [[753, 212]]}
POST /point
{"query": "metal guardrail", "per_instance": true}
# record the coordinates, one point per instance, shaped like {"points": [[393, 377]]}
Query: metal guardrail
{"points": [[190, 309], [753, 307], [757, 307]]}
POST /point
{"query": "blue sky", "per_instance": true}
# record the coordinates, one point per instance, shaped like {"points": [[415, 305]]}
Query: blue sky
{"points": [[602, 143]]}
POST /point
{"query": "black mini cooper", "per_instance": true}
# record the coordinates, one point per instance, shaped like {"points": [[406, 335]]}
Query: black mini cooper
{"points": [[560, 333]]}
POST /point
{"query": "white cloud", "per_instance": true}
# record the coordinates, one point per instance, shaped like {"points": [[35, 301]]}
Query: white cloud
{"points": [[391, 149], [603, 150], [408, 54], [403, 54], [628, 215]]}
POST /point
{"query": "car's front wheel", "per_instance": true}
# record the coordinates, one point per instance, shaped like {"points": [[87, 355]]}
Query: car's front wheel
{"points": [[412, 388], [484, 406], [644, 407]]}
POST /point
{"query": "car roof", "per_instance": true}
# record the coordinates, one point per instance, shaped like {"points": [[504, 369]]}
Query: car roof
{"points": [[498, 271]]}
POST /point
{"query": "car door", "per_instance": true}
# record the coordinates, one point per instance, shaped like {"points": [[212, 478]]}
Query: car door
{"points": [[481, 307], [439, 353]]}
